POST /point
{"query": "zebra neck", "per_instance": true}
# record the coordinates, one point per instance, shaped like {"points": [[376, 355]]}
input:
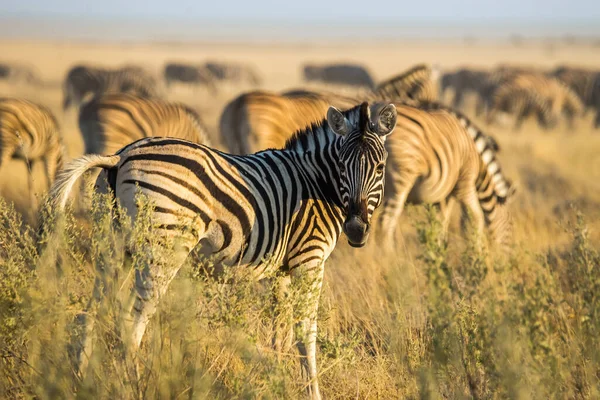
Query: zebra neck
{"points": [[316, 157]]}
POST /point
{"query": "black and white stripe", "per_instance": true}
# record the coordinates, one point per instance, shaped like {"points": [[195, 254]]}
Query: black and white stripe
{"points": [[197, 75], [84, 83], [281, 209]]}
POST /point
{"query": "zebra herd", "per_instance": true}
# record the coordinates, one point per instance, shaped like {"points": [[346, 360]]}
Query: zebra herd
{"points": [[548, 95], [302, 167]]}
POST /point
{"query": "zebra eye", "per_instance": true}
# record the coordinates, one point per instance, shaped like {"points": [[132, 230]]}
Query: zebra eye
{"points": [[342, 169], [380, 169]]}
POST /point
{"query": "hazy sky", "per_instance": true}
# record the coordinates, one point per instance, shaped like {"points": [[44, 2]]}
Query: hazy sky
{"points": [[333, 11]]}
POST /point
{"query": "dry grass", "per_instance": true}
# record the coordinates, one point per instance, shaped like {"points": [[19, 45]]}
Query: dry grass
{"points": [[428, 319]]}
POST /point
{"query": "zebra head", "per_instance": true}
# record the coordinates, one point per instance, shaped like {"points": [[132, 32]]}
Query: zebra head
{"points": [[362, 158]]}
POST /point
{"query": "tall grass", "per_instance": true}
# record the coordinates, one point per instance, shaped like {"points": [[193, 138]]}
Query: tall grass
{"points": [[431, 320]]}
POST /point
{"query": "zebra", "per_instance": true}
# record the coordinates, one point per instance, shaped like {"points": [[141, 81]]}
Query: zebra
{"points": [[233, 72], [341, 74], [260, 120], [112, 121], [462, 82], [83, 83], [192, 74], [559, 98], [267, 129], [584, 82], [29, 132], [438, 156], [288, 206]]}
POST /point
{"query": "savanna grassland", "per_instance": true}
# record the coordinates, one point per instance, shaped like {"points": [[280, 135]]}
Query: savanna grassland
{"points": [[431, 318]]}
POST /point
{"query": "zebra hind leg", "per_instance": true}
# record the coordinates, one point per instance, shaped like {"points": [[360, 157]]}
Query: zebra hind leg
{"points": [[310, 279]]}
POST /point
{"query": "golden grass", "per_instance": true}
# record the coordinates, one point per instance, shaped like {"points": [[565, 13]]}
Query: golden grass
{"points": [[427, 319]]}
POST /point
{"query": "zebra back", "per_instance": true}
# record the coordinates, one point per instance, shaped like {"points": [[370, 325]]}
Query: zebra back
{"points": [[110, 122], [418, 84]]}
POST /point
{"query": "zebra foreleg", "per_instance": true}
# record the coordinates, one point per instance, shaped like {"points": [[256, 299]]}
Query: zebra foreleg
{"points": [[310, 279], [284, 331], [392, 210]]}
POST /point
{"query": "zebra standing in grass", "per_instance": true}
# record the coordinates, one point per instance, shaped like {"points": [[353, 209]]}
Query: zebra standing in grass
{"points": [[233, 72], [558, 98], [111, 122], [340, 74], [190, 74], [438, 156], [584, 82], [280, 209], [84, 83], [260, 120], [30, 132]]}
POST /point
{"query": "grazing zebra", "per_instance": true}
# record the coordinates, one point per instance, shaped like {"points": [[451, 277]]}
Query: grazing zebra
{"points": [[30, 132], [584, 82], [463, 82], [190, 74], [260, 120], [112, 121], [559, 99], [280, 209], [84, 83], [419, 83], [341, 74], [233, 72], [438, 156]]}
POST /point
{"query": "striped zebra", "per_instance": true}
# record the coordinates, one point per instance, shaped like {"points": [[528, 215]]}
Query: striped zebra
{"points": [[438, 156], [435, 122], [84, 83], [281, 209], [260, 120], [558, 98], [29, 132], [233, 72], [113, 121], [340, 74], [189, 74], [584, 82]]}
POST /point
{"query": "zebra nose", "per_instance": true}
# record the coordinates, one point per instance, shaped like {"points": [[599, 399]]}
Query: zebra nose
{"points": [[356, 230]]}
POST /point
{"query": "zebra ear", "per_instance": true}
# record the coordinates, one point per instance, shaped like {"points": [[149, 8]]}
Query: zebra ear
{"points": [[384, 119], [337, 121]]}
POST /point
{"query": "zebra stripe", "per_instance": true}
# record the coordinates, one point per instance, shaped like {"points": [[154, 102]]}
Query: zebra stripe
{"points": [[29, 131], [559, 99], [84, 83], [341, 74], [111, 122], [464, 81], [191, 74], [275, 209], [233, 72]]}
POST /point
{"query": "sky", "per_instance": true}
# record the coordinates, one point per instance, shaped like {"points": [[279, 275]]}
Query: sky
{"points": [[334, 11], [234, 19]]}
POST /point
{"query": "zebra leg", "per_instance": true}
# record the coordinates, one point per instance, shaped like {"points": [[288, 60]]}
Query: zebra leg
{"points": [[32, 200], [446, 208], [151, 283], [284, 332], [472, 210], [310, 277], [392, 210]]}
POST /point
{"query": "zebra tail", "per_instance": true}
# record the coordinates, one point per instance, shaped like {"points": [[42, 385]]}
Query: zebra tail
{"points": [[59, 194]]}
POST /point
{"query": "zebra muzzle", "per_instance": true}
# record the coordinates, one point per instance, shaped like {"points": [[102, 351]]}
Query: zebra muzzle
{"points": [[356, 230]]}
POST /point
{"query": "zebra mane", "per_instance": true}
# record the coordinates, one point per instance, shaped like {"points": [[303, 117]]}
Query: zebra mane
{"points": [[418, 72], [301, 138]]}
